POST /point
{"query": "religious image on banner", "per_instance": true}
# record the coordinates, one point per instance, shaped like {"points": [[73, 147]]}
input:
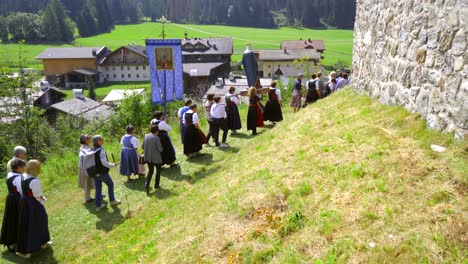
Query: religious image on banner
{"points": [[166, 71], [164, 59]]}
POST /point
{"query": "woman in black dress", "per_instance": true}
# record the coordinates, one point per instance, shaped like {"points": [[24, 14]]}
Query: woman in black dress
{"points": [[33, 225], [193, 139], [10, 217], [254, 115], [232, 111], [169, 153], [273, 111]]}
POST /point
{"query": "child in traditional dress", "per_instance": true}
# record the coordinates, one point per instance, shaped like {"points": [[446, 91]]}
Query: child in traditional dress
{"points": [[232, 111], [180, 116], [19, 152], [153, 148], [168, 153], [254, 115], [33, 225], [208, 104], [313, 89], [84, 181], [129, 154], [193, 139], [296, 100], [102, 169], [10, 217], [273, 111], [218, 113]]}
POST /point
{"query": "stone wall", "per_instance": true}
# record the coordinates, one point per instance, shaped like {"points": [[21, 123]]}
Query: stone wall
{"points": [[414, 53]]}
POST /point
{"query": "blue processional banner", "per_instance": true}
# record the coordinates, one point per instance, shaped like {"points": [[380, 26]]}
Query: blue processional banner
{"points": [[166, 71]]}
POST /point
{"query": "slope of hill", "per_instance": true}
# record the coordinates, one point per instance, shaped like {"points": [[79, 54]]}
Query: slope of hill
{"points": [[344, 180], [339, 43]]}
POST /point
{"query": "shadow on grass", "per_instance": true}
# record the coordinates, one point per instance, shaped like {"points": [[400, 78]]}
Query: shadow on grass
{"points": [[107, 220], [247, 136], [41, 256], [162, 194], [230, 149], [136, 184]]}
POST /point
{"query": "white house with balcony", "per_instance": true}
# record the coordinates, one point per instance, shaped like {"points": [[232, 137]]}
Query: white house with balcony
{"points": [[126, 64]]}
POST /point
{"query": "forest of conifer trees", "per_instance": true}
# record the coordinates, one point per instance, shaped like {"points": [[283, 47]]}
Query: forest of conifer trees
{"points": [[55, 20]]}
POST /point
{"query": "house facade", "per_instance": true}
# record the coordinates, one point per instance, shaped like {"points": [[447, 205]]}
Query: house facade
{"points": [[269, 61], [72, 67], [126, 64], [317, 45], [205, 60]]}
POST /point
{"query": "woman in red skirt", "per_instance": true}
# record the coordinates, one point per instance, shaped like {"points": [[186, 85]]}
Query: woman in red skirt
{"points": [[255, 114]]}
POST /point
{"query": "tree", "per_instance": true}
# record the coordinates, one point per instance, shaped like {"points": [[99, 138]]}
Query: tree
{"points": [[4, 29], [56, 26]]}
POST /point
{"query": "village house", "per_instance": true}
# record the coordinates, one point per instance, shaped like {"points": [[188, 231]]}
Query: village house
{"points": [[81, 107], [72, 67], [317, 45], [43, 98], [270, 60], [205, 60], [126, 64]]}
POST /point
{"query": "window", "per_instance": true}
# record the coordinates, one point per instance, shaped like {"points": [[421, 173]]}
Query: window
{"points": [[128, 67], [144, 68], [121, 68], [107, 76], [269, 74], [107, 68], [115, 76], [129, 75], [138, 75], [113, 68], [136, 68], [269, 66], [123, 76]]}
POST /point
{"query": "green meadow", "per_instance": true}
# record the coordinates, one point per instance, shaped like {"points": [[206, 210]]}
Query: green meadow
{"points": [[338, 43], [346, 180]]}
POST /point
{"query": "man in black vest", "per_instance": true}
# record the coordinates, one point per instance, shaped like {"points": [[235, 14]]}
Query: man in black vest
{"points": [[102, 169]]}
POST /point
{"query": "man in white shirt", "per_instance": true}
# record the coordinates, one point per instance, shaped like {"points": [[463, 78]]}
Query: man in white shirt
{"points": [[218, 113]]}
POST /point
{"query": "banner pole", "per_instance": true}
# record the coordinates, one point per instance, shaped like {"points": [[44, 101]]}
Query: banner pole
{"points": [[165, 97]]}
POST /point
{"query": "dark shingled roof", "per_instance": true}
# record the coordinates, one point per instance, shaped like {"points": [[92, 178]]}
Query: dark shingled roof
{"points": [[200, 69], [84, 108], [303, 44], [207, 46], [288, 55], [141, 50], [70, 53]]}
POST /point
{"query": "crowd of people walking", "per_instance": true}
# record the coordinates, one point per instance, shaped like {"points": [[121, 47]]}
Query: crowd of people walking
{"points": [[25, 222]]}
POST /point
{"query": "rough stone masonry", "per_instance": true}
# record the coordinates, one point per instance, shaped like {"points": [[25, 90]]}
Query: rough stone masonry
{"points": [[414, 53]]}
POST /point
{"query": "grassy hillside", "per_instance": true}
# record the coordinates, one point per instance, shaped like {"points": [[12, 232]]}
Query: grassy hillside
{"points": [[345, 180], [338, 42]]}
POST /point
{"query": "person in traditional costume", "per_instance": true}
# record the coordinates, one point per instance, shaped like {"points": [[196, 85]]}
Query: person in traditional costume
{"points": [[218, 113], [19, 152], [33, 223], [180, 116], [102, 170], [297, 93], [193, 138], [232, 111], [273, 111], [208, 104], [254, 115], [313, 90], [153, 149], [168, 153], [129, 153], [84, 181], [10, 216]]}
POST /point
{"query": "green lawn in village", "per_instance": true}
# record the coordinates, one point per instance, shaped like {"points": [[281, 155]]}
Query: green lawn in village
{"points": [[346, 180], [102, 91], [338, 42]]}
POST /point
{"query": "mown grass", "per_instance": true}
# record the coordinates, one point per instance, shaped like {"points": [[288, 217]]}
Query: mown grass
{"points": [[338, 43], [300, 192]]}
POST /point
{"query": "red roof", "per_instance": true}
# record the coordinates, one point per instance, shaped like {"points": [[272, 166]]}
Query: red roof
{"points": [[319, 45]]}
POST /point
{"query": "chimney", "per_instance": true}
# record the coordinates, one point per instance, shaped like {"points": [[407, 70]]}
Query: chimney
{"points": [[185, 36], [208, 42], [78, 94], [214, 47], [285, 51], [94, 52], [310, 40]]}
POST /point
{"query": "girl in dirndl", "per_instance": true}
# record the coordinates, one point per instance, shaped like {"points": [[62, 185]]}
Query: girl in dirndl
{"points": [[254, 115], [273, 111], [33, 224], [168, 154], [129, 154], [10, 217], [232, 111], [193, 137]]}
